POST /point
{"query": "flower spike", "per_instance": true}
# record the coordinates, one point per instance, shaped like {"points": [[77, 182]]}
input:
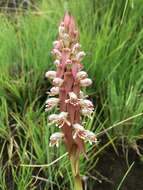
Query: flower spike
{"points": [[67, 81]]}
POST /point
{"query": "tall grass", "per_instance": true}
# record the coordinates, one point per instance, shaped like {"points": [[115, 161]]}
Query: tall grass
{"points": [[112, 35]]}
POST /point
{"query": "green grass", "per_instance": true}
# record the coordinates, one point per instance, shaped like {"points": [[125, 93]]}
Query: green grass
{"points": [[111, 34]]}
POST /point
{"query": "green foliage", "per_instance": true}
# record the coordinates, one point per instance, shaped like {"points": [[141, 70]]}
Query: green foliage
{"points": [[111, 33]]}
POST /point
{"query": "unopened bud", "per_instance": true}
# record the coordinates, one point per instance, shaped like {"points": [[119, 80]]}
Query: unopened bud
{"points": [[55, 43], [66, 40], [80, 55], [50, 74], [56, 53], [54, 91], [85, 82], [81, 75], [61, 29], [76, 48], [57, 62], [57, 82], [68, 62]]}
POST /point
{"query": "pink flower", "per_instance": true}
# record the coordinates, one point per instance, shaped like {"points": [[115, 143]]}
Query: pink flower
{"points": [[86, 135], [86, 104], [80, 55], [79, 131], [59, 119], [57, 44], [86, 112], [62, 30], [68, 62], [81, 75], [90, 137], [76, 48], [53, 118], [73, 99], [50, 74], [51, 103], [67, 81], [63, 119], [54, 91], [85, 82], [55, 138], [66, 40], [57, 82], [56, 53], [57, 62]]}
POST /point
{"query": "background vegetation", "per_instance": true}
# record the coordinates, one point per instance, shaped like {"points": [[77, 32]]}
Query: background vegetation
{"points": [[111, 34]]}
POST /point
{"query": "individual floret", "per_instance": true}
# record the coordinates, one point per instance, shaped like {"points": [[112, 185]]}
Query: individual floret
{"points": [[55, 138]]}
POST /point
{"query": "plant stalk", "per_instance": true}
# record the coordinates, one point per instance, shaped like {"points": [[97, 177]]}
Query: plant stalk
{"points": [[74, 160]]}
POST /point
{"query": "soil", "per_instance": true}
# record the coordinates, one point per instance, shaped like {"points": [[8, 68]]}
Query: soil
{"points": [[111, 168]]}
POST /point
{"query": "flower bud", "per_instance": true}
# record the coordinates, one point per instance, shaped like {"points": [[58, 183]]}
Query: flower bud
{"points": [[66, 40], [50, 74], [85, 82], [56, 53], [61, 30], [54, 91], [68, 62], [55, 43], [57, 82], [57, 62], [81, 75], [72, 95], [76, 48], [80, 55]]}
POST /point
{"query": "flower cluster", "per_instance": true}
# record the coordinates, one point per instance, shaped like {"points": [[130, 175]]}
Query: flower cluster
{"points": [[67, 81]]}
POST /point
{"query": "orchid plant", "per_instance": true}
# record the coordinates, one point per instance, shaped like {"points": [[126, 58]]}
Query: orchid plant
{"points": [[68, 81]]}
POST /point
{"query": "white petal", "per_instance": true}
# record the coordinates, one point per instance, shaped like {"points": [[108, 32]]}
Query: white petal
{"points": [[86, 82], [50, 74]]}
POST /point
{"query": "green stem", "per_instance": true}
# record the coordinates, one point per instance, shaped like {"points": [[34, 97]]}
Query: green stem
{"points": [[78, 183], [74, 159]]}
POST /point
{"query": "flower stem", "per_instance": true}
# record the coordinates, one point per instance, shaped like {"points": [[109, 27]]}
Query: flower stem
{"points": [[74, 159], [78, 183]]}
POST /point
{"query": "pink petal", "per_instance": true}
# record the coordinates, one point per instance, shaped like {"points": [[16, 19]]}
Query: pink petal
{"points": [[66, 20], [74, 69], [68, 81]]}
